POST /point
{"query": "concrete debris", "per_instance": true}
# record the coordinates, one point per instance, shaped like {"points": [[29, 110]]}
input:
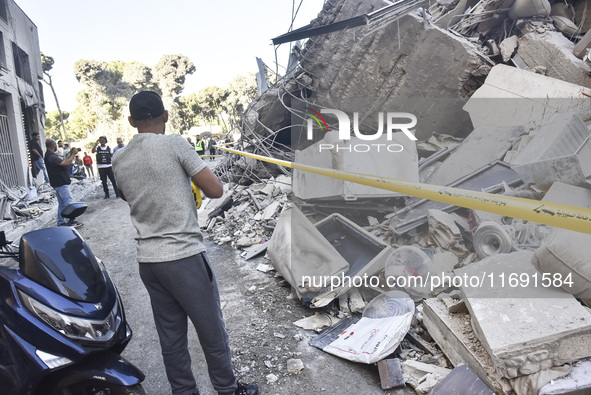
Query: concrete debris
{"points": [[555, 52], [578, 380], [422, 376], [540, 327], [330, 150], [445, 233], [271, 378], [315, 322], [295, 366], [524, 98], [558, 151], [508, 113]]}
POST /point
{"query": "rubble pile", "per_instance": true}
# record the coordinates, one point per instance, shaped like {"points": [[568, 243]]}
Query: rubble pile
{"points": [[245, 215], [23, 210], [501, 91]]}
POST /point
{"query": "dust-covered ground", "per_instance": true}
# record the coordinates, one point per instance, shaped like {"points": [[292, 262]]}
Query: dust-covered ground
{"points": [[257, 306]]}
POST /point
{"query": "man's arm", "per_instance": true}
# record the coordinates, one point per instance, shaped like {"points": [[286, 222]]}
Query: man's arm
{"points": [[95, 145], [208, 183], [68, 161]]}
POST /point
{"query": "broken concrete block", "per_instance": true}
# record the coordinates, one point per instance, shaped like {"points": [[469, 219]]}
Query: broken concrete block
{"points": [[342, 60], [566, 253], [358, 156], [453, 334], [445, 232], [414, 370], [426, 383], [316, 321], [390, 373], [524, 97], [484, 145], [508, 47], [522, 320], [444, 262], [555, 52], [583, 45], [270, 211], [295, 366], [559, 151], [302, 255], [353, 301]]}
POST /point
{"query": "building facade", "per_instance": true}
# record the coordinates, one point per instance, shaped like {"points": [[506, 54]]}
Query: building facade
{"points": [[22, 108]]}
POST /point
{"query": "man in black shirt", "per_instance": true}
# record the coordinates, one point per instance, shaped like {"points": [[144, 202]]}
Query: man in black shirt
{"points": [[37, 157], [59, 178]]}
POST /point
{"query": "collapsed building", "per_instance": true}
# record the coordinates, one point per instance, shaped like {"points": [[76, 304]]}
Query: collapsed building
{"points": [[489, 96]]}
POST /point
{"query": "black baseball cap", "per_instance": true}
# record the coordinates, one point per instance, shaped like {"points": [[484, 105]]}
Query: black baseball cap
{"points": [[146, 105]]}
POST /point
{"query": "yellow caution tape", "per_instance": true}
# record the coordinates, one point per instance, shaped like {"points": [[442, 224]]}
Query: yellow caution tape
{"points": [[547, 213]]}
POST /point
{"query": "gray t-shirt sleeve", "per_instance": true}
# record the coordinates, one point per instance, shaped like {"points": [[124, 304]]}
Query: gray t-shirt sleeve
{"points": [[187, 156]]}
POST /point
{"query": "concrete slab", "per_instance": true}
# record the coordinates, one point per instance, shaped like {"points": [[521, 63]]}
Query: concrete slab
{"points": [[515, 97], [568, 194], [555, 52], [558, 151], [454, 335], [524, 325], [384, 69], [484, 145], [401, 165]]}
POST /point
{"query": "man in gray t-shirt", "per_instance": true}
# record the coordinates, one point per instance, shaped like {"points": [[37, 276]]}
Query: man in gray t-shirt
{"points": [[154, 174]]}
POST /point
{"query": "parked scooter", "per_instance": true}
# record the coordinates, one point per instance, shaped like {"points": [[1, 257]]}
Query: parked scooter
{"points": [[62, 324]]}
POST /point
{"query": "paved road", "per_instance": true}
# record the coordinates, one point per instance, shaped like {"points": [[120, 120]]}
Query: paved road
{"points": [[259, 314]]}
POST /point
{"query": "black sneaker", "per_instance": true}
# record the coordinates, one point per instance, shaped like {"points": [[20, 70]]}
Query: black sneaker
{"points": [[250, 389], [106, 197], [74, 224]]}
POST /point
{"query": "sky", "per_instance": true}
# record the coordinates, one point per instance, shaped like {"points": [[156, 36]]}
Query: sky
{"points": [[222, 39]]}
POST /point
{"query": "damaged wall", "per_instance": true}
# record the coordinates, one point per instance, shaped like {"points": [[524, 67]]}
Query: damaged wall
{"points": [[21, 90], [408, 66]]}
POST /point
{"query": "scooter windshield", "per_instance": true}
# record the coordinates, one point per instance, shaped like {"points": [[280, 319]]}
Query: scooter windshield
{"points": [[61, 261]]}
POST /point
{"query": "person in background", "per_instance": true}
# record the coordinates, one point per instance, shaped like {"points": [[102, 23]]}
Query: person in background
{"points": [[66, 155], [60, 148], [36, 153], [173, 264], [119, 145], [59, 179], [87, 160], [103, 163], [191, 142], [211, 147], [199, 146]]}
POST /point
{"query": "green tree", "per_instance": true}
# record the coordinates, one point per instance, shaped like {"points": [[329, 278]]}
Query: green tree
{"points": [[189, 110], [242, 91], [46, 65], [53, 123], [169, 74]]}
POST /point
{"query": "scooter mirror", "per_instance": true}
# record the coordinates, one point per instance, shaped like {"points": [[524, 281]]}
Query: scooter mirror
{"points": [[74, 210]]}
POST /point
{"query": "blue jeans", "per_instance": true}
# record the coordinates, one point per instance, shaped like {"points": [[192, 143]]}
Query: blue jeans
{"points": [[64, 197], [40, 166]]}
